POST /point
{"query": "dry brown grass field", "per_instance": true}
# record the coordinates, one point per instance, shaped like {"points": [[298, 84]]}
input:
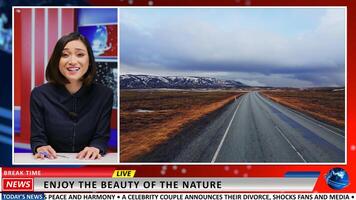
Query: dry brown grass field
{"points": [[151, 117], [327, 105]]}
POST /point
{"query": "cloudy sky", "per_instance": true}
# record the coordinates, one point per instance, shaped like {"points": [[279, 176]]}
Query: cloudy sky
{"points": [[300, 47]]}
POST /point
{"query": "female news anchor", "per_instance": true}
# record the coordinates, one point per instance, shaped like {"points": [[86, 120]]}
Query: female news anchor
{"points": [[71, 113]]}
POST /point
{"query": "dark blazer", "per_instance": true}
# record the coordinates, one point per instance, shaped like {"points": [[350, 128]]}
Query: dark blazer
{"points": [[70, 122]]}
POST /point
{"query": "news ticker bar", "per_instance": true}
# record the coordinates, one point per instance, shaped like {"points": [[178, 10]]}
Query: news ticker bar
{"points": [[179, 196], [37, 184]]}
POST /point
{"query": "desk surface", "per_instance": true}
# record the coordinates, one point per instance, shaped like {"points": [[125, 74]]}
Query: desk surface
{"points": [[64, 158]]}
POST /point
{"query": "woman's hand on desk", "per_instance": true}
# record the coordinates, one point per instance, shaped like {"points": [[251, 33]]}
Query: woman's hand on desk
{"points": [[91, 153], [45, 152]]}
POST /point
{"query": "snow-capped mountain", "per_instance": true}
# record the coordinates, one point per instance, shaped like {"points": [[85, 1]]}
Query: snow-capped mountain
{"points": [[130, 81]]}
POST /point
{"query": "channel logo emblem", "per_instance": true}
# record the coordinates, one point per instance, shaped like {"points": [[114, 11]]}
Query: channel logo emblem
{"points": [[17, 184], [337, 178]]}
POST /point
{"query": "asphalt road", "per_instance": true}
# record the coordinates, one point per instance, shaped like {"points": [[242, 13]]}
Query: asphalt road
{"points": [[254, 129]]}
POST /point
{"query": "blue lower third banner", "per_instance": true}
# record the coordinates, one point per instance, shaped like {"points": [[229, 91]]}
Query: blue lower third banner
{"points": [[25, 196]]}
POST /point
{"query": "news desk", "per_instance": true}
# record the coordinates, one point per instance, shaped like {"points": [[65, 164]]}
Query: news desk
{"points": [[64, 158]]}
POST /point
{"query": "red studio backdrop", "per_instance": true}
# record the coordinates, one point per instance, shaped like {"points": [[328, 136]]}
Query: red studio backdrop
{"points": [[38, 52], [24, 55]]}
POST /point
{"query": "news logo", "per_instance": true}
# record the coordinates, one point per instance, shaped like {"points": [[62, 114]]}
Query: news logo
{"points": [[337, 178], [17, 184]]}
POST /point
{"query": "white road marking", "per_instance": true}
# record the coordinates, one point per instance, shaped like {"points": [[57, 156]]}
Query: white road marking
{"points": [[317, 123], [226, 131], [300, 155], [307, 118]]}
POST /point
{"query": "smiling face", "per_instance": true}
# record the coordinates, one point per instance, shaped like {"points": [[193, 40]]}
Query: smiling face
{"points": [[74, 61]]}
